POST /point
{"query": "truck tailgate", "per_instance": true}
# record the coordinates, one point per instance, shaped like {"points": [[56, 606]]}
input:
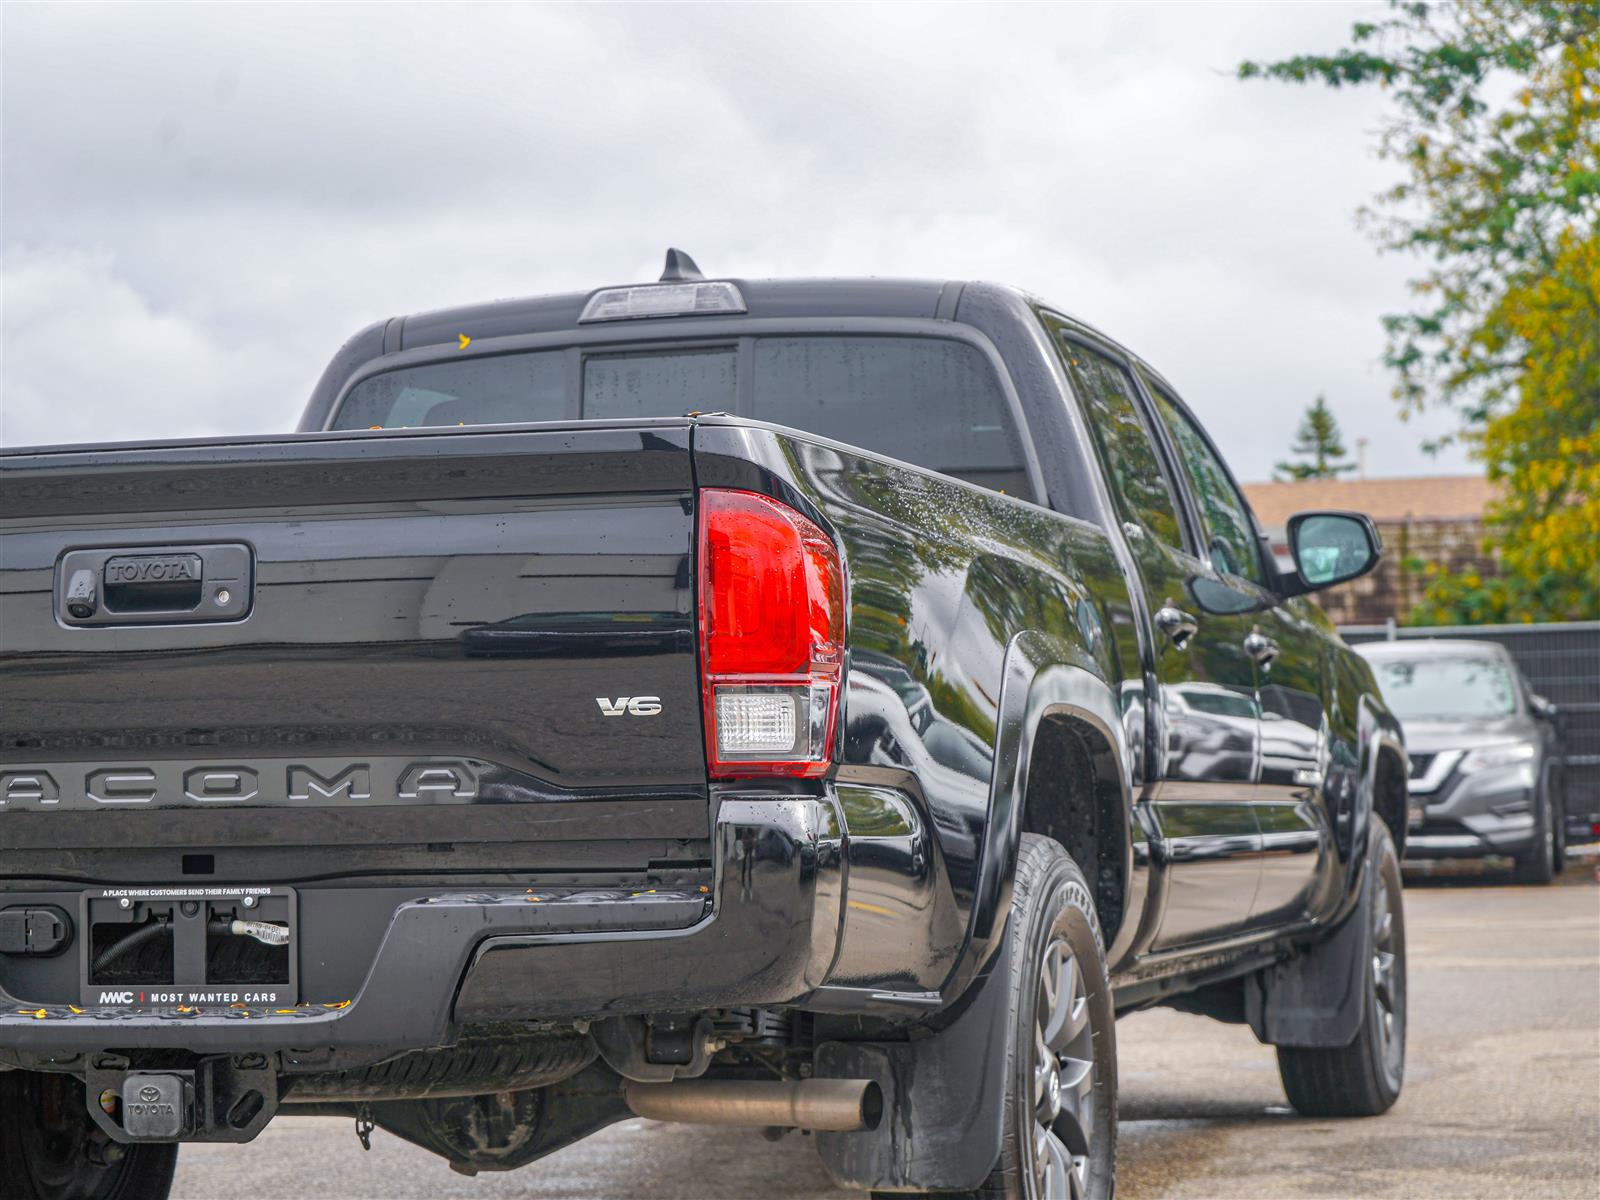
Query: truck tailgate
{"points": [[448, 622]]}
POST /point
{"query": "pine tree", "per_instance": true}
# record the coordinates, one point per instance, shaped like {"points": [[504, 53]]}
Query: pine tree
{"points": [[1318, 439]]}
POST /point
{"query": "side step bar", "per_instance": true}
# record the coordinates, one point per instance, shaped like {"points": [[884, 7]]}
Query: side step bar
{"points": [[832, 1104]]}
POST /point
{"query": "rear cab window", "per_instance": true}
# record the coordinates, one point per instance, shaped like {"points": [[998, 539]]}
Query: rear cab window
{"points": [[934, 402], [659, 384]]}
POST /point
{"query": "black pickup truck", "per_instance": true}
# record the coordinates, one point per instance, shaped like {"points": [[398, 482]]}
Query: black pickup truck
{"points": [[797, 704]]}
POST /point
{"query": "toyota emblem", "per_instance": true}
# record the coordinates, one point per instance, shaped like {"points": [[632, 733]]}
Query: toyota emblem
{"points": [[149, 1093]]}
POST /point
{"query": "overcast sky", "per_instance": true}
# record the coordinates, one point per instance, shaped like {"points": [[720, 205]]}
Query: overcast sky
{"points": [[202, 202]]}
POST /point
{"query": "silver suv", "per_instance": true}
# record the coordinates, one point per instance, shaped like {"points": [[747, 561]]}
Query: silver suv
{"points": [[1486, 755]]}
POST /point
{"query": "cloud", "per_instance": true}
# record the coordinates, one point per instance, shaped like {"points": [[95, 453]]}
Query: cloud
{"points": [[213, 197], [91, 359]]}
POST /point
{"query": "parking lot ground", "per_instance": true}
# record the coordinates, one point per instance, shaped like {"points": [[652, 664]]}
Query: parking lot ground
{"points": [[1502, 1095]]}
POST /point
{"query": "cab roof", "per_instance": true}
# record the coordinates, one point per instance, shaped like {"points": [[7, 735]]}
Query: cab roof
{"points": [[783, 298]]}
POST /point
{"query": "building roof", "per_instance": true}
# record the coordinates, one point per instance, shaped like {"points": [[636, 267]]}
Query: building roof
{"points": [[1417, 498]]}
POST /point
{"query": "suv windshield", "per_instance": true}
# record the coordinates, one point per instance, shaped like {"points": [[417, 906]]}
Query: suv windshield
{"points": [[1447, 687], [934, 402]]}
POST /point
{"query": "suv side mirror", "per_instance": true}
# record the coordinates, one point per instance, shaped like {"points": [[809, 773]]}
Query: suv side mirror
{"points": [[1330, 548], [1542, 708]]}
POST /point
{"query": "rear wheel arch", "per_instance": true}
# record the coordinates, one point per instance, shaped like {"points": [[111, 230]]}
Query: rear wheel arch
{"points": [[1055, 705], [1075, 796]]}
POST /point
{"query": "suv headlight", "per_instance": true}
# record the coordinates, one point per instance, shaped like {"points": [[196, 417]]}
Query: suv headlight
{"points": [[1487, 758]]}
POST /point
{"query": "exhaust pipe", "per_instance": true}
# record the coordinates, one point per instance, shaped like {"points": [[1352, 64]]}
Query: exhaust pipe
{"points": [[833, 1104]]}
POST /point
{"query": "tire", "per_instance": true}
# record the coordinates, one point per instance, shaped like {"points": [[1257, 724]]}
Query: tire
{"points": [[1558, 815], [1364, 1078], [1537, 864], [50, 1148], [1055, 936]]}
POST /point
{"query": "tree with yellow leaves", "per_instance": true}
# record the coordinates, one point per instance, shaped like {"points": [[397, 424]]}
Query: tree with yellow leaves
{"points": [[1496, 119]]}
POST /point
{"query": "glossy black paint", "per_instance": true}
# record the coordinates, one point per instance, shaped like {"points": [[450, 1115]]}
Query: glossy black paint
{"points": [[769, 938], [943, 579], [466, 596], [455, 596]]}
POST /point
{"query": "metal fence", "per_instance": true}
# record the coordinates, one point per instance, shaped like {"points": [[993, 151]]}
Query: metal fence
{"points": [[1562, 664]]}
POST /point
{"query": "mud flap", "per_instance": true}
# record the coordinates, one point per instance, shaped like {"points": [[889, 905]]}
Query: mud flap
{"points": [[943, 1099], [1317, 997]]}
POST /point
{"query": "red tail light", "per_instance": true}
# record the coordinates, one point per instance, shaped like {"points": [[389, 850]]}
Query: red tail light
{"points": [[771, 636]]}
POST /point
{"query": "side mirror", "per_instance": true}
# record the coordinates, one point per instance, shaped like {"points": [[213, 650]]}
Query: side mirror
{"points": [[1542, 708], [1330, 548]]}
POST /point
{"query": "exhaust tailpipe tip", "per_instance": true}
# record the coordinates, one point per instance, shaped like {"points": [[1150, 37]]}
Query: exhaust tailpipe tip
{"points": [[835, 1105]]}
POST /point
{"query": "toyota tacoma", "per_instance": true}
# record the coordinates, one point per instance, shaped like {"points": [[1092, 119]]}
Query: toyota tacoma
{"points": [[795, 704]]}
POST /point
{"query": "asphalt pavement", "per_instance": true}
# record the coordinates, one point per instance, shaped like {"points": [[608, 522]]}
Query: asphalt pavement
{"points": [[1502, 1096]]}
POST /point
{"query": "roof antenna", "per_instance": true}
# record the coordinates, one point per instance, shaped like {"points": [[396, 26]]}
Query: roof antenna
{"points": [[679, 267]]}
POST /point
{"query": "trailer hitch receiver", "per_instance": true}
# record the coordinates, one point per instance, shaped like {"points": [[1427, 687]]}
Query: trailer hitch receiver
{"points": [[220, 1099], [157, 1107]]}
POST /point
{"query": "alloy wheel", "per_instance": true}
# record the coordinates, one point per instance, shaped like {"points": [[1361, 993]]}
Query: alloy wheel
{"points": [[1063, 1094]]}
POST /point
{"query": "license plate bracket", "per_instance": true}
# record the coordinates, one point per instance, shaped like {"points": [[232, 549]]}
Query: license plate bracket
{"points": [[189, 946]]}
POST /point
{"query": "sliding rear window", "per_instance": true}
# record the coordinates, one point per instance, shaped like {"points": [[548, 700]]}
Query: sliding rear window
{"points": [[474, 391], [933, 402]]}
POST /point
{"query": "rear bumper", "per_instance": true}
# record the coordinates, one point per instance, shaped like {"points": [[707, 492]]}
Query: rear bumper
{"points": [[767, 933], [770, 938]]}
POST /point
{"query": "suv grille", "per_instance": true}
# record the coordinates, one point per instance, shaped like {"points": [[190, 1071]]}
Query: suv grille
{"points": [[1420, 764]]}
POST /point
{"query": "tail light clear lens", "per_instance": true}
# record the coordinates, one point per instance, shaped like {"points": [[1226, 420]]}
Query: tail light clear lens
{"points": [[772, 599]]}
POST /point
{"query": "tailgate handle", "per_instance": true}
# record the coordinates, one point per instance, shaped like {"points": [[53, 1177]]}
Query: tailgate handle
{"points": [[154, 582], [145, 585]]}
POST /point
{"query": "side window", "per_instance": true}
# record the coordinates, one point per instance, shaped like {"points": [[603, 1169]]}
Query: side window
{"points": [[1230, 534], [1133, 466]]}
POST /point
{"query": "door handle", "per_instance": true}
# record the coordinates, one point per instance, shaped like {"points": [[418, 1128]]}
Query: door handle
{"points": [[1177, 625], [1261, 648]]}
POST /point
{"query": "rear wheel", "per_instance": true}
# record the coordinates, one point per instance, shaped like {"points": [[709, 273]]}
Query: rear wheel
{"points": [[1061, 1097], [50, 1149], [1363, 1079]]}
